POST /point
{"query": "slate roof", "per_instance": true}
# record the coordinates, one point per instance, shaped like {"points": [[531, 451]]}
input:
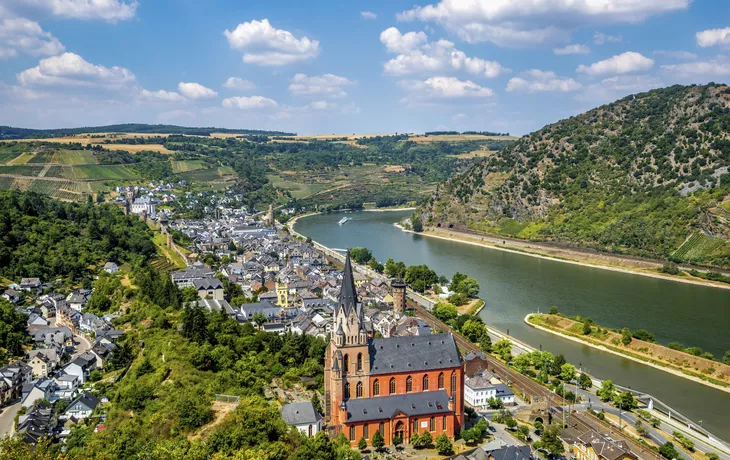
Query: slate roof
{"points": [[505, 453], [208, 283], [348, 292], [603, 446], [413, 353], [86, 399], [386, 407], [300, 413]]}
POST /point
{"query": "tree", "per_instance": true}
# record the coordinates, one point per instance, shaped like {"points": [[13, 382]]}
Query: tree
{"points": [[259, 318], [420, 277], [375, 265], [474, 330], [587, 328], [522, 362], [415, 442], [362, 444], [95, 376], [468, 436], [625, 400], [416, 223], [480, 428], [458, 298], [511, 423], [567, 372], [445, 312], [554, 310], [641, 429], [424, 440], [584, 380], [468, 286], [607, 390], [551, 441], [625, 336], [395, 269], [503, 348], [397, 440], [377, 440], [667, 450], [538, 426], [644, 335], [456, 279], [443, 445], [316, 402], [361, 255], [726, 358], [495, 403], [523, 432], [556, 364]]}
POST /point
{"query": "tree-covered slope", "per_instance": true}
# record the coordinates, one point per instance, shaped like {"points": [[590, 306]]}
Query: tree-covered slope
{"points": [[641, 175]]}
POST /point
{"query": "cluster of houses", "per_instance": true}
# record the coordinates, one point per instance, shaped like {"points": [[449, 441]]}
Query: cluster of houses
{"points": [[68, 345]]}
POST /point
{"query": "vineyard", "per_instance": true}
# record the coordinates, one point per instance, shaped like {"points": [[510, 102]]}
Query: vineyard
{"points": [[62, 190], [697, 246], [187, 165]]}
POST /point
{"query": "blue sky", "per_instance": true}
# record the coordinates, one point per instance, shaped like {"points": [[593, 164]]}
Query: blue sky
{"points": [[347, 67]]}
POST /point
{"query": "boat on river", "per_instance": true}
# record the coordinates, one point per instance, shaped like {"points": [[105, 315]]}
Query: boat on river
{"points": [[343, 220]]}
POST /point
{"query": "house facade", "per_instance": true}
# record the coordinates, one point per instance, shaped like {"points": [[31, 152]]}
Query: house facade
{"points": [[399, 386], [303, 416]]}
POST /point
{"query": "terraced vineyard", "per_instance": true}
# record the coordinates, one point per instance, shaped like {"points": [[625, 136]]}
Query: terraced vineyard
{"points": [[697, 246], [188, 165]]}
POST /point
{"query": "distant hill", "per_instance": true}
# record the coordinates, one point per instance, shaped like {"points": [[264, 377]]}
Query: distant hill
{"points": [[642, 175], [8, 132]]}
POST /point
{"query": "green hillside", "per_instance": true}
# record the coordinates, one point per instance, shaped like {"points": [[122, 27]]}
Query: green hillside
{"points": [[642, 175]]}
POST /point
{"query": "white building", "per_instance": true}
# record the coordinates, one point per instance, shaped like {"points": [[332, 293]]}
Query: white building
{"points": [[479, 389], [303, 416], [144, 204]]}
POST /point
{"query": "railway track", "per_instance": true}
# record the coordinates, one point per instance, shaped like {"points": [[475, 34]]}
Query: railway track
{"points": [[531, 389]]}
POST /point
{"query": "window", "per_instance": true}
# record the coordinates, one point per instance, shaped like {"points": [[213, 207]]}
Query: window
{"points": [[352, 433], [432, 424], [443, 423], [366, 431], [347, 390], [415, 426], [441, 381], [453, 383], [425, 383], [392, 385], [376, 387], [310, 431], [346, 364], [409, 384], [381, 428], [359, 361], [358, 390]]}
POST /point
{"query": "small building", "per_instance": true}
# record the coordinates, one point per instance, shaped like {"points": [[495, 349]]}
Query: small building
{"points": [[503, 453], [82, 407], [11, 295], [478, 390], [303, 416], [31, 284], [209, 288], [592, 445], [41, 365], [111, 267]]}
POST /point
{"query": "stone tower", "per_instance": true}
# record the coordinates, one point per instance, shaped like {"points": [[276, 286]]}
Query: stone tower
{"points": [[398, 289], [347, 362]]}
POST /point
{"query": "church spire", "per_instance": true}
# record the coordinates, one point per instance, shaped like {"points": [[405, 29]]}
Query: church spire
{"points": [[348, 292]]}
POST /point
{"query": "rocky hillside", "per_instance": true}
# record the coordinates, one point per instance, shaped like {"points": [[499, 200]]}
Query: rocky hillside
{"points": [[643, 175]]}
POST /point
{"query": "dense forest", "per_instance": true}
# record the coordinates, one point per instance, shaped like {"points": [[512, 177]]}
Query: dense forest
{"points": [[641, 175], [9, 132], [48, 239]]}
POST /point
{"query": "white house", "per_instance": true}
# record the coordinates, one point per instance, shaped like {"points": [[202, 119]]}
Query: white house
{"points": [[479, 389], [303, 416], [111, 267], [82, 407]]}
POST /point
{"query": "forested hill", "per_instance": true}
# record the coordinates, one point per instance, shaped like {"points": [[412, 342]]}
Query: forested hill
{"points": [[9, 132], [641, 175]]}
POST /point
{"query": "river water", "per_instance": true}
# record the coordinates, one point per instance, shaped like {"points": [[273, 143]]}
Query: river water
{"points": [[513, 285]]}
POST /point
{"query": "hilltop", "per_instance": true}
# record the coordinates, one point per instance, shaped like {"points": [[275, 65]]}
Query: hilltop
{"points": [[645, 175], [9, 132]]}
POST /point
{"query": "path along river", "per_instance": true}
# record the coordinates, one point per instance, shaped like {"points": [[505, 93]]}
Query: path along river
{"points": [[513, 285]]}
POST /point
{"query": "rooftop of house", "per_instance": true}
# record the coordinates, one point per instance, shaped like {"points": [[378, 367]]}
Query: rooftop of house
{"points": [[413, 353], [604, 447], [300, 413], [385, 407]]}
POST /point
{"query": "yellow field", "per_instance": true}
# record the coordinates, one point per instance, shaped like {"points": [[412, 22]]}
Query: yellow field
{"points": [[83, 139]]}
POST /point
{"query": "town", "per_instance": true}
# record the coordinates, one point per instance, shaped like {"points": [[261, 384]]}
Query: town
{"points": [[396, 377]]}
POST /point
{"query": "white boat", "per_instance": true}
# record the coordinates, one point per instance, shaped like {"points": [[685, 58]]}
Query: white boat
{"points": [[343, 220]]}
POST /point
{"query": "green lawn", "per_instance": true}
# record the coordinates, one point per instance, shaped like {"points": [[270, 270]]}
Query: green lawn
{"points": [[21, 170]]}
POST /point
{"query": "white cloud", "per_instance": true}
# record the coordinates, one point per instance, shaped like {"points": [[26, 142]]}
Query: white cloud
{"points": [[70, 69], [600, 38], [107, 10], [699, 71], [326, 85], [572, 49], [538, 81], [396, 42], [432, 57], [446, 88], [368, 15], [264, 45], [249, 103], [525, 22], [238, 83], [627, 62], [713, 37], [20, 35], [613, 88], [195, 91], [682, 55], [161, 95]]}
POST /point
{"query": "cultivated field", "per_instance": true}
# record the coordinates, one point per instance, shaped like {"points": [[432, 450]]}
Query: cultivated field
{"points": [[187, 165], [85, 139]]}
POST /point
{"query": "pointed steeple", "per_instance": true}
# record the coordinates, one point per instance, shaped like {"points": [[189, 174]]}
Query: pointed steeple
{"points": [[348, 292]]}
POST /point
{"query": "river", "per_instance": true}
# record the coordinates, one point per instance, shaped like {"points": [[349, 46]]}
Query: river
{"points": [[513, 285]]}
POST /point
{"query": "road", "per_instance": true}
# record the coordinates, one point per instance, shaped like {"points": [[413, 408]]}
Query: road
{"points": [[83, 345]]}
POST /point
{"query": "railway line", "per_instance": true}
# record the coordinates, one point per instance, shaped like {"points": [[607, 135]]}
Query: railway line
{"points": [[530, 389]]}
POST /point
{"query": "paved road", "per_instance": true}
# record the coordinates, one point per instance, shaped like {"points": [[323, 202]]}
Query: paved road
{"points": [[7, 419], [82, 346]]}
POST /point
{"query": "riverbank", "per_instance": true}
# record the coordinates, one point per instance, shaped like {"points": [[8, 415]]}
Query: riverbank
{"points": [[291, 222], [603, 261], [610, 349]]}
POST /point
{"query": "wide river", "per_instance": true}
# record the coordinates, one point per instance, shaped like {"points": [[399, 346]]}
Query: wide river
{"points": [[513, 285]]}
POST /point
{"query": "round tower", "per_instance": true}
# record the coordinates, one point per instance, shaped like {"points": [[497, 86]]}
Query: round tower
{"points": [[398, 291]]}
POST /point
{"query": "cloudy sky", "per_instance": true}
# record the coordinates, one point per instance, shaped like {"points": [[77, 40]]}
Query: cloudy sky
{"points": [[330, 66]]}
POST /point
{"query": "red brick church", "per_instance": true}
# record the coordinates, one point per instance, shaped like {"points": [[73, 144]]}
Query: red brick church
{"points": [[398, 386]]}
